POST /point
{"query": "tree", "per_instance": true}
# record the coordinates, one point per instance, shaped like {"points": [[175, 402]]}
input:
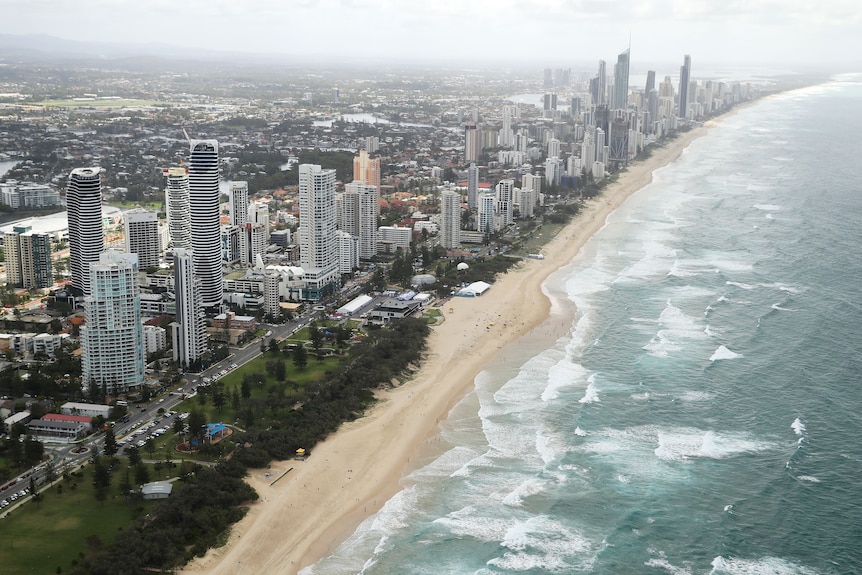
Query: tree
{"points": [[178, 426], [316, 337], [37, 497], [300, 356], [111, 447], [142, 474], [245, 389], [197, 424], [273, 346], [280, 370], [134, 455]]}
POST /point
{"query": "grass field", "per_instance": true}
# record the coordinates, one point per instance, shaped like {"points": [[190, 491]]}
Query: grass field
{"points": [[38, 538]]}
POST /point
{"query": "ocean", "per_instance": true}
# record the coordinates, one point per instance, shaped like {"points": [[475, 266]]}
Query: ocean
{"points": [[701, 414]]}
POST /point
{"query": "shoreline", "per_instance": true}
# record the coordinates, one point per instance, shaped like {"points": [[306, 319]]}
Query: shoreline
{"points": [[322, 500]]}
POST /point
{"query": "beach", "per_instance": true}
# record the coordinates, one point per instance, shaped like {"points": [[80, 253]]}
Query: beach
{"points": [[307, 508]]}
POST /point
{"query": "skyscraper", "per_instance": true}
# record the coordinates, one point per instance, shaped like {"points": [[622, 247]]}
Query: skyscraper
{"points": [[684, 77], [178, 208], [359, 208], [238, 199], [472, 186], [142, 236], [189, 329], [84, 211], [450, 219], [472, 142], [621, 82], [204, 212], [28, 258], [112, 339], [600, 95], [318, 240], [366, 169], [505, 192]]}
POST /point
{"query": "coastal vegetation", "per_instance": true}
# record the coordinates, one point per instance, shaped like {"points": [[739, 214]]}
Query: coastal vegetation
{"points": [[210, 499]]}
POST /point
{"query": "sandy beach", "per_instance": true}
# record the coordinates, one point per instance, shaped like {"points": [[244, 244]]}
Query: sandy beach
{"points": [[320, 501]]}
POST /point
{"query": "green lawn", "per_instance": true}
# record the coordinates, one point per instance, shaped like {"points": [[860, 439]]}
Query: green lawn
{"points": [[233, 380], [38, 538]]}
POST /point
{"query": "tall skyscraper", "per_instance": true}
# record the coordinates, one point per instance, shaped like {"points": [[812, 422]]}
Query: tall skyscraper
{"points": [[357, 215], [28, 258], [112, 339], [472, 186], [256, 232], [238, 199], [206, 227], [600, 96], [507, 136], [450, 219], [505, 192], [178, 208], [189, 330], [486, 217], [318, 240], [650, 82], [142, 236], [621, 82], [684, 77], [86, 237], [366, 169], [472, 142]]}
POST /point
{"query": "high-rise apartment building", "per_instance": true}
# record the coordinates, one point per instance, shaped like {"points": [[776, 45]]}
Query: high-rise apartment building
{"points": [[28, 258], [86, 237], [472, 186], [112, 340], [189, 331], [505, 192], [621, 82], [238, 199], [472, 142], [206, 227], [142, 236], [450, 219], [357, 213], [318, 241], [684, 77], [178, 207], [366, 169], [486, 217]]}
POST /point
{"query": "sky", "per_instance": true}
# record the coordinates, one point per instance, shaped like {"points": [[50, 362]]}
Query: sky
{"points": [[801, 33]]}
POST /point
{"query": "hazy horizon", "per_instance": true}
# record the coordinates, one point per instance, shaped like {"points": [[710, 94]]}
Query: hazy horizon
{"points": [[793, 34]]}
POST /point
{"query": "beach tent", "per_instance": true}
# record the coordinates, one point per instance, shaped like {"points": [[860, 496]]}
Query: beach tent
{"points": [[475, 289]]}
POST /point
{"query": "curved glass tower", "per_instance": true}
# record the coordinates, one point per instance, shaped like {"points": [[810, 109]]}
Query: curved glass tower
{"points": [[204, 216]]}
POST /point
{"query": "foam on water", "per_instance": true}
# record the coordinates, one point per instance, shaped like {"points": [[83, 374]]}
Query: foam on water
{"points": [[764, 566], [541, 543], [591, 395], [797, 426], [723, 353], [767, 207]]}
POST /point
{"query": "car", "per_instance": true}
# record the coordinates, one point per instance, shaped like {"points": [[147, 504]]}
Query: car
{"points": [[234, 366], [161, 400]]}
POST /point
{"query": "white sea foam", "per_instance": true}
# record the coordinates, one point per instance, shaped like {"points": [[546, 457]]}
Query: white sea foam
{"points": [[777, 307], [562, 375], [723, 353], [542, 544], [678, 327], [532, 486], [591, 395], [580, 432], [472, 522], [808, 478], [684, 444], [767, 207], [662, 563], [797, 426], [763, 566]]}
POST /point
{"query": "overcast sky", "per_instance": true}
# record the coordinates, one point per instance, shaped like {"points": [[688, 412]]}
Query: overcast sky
{"points": [[550, 32]]}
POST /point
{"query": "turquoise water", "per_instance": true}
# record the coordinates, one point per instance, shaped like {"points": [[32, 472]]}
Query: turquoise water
{"points": [[702, 415]]}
